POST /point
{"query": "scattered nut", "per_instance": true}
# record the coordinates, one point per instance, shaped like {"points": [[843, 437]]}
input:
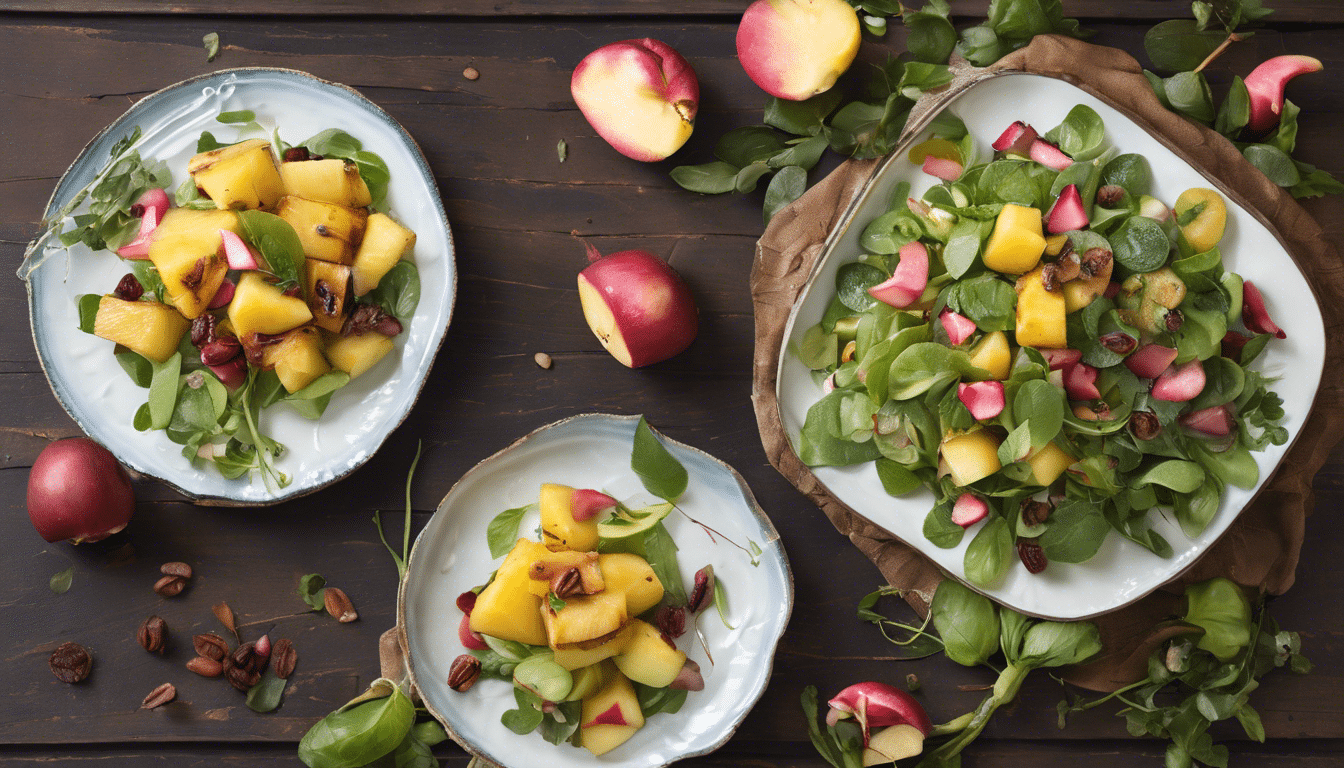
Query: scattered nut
{"points": [[471, 73], [153, 634], [71, 662], [205, 667], [159, 696], [283, 658], [170, 586], [464, 673], [542, 359], [176, 569], [211, 646], [339, 605]]}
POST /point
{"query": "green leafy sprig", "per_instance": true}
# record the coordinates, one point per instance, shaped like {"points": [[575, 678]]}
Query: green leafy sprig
{"points": [[400, 560]]}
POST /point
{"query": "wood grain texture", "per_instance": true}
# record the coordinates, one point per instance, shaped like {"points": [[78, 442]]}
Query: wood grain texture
{"points": [[491, 144]]}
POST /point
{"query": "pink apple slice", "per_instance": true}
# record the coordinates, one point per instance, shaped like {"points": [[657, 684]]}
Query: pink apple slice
{"points": [[472, 641], [984, 399], [1180, 383], [1080, 382], [878, 705], [237, 252], [641, 96], [1254, 313], [1049, 155], [1017, 139], [942, 168], [1061, 359], [139, 247], [908, 280], [1150, 360], [586, 503], [1265, 87], [1215, 422], [959, 327], [969, 509], [1068, 213]]}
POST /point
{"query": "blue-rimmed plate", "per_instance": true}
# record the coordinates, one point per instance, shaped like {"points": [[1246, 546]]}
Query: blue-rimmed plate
{"points": [[103, 400], [593, 451]]}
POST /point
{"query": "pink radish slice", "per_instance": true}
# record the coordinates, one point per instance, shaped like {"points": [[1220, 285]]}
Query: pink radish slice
{"points": [[236, 251], [1017, 139], [947, 170], [1068, 213], [1080, 382], [984, 399], [1150, 360], [969, 509], [1049, 155], [1181, 383], [909, 279], [139, 247], [222, 296], [828, 384], [586, 503], [1254, 314], [1216, 421], [155, 198], [471, 640], [959, 327], [1061, 359]]}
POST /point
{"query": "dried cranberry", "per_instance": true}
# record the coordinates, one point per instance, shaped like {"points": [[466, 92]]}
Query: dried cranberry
{"points": [[1095, 260], [370, 317], [1118, 342], [129, 289], [137, 211], [1032, 556], [326, 297], [203, 330], [1174, 320], [296, 154], [221, 350]]}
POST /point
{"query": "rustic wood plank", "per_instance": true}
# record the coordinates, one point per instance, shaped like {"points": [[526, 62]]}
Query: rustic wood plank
{"points": [[1287, 10]]}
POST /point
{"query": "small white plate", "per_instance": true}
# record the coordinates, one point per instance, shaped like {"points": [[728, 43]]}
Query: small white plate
{"points": [[593, 451], [91, 385], [1122, 571]]}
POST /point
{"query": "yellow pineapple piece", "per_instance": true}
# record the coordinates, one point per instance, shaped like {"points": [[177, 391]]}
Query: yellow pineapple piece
{"points": [[186, 251], [505, 608], [358, 353], [330, 180], [152, 329], [993, 354], [328, 293], [260, 307], [1048, 463], [585, 622], [559, 529], [242, 175], [577, 658], [297, 358], [649, 656], [328, 232], [1040, 313], [971, 456], [385, 241], [1017, 242], [611, 715], [632, 576]]}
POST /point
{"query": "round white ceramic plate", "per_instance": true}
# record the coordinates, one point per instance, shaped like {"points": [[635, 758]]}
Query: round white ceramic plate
{"points": [[1122, 571], [102, 399], [593, 451]]}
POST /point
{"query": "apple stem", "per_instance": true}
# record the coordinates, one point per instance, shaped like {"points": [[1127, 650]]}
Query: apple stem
{"points": [[1232, 37]]}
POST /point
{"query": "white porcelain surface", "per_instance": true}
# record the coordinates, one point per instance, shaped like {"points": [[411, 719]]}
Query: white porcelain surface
{"points": [[593, 451], [103, 400], [1122, 571]]}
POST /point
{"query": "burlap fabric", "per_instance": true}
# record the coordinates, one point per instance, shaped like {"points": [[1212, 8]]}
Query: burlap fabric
{"points": [[1261, 547]]}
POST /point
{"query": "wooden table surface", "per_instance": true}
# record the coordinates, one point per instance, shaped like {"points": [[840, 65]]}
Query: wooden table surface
{"points": [[68, 68]]}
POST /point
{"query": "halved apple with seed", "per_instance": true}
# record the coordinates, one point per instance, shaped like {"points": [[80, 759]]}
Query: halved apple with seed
{"points": [[638, 307]]}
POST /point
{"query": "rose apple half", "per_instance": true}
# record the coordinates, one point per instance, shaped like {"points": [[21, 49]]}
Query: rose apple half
{"points": [[796, 49], [78, 491], [640, 95], [638, 306]]}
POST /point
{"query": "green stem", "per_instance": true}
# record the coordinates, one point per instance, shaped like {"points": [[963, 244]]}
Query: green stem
{"points": [[1005, 690], [1083, 707]]}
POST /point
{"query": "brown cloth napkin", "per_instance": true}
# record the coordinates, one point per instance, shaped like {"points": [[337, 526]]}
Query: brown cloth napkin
{"points": [[1260, 549]]}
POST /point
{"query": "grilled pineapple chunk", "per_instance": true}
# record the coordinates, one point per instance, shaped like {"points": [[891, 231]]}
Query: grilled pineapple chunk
{"points": [[297, 358], [328, 232], [185, 250], [260, 307], [358, 353], [331, 180], [328, 293], [147, 327], [505, 608], [384, 243], [241, 175]]}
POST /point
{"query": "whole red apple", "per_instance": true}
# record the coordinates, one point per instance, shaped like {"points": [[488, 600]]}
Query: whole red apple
{"points": [[640, 95], [637, 306], [78, 491]]}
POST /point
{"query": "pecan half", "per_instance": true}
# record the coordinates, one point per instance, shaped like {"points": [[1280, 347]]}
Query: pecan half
{"points": [[464, 673], [1032, 556], [211, 646], [71, 662], [205, 667], [176, 569], [568, 583], [339, 606], [1110, 195], [283, 658], [159, 696], [1035, 512], [1144, 425], [192, 280], [170, 586], [370, 317]]}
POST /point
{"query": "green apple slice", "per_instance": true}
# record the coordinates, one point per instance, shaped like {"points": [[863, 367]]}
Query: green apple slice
{"points": [[629, 522]]}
